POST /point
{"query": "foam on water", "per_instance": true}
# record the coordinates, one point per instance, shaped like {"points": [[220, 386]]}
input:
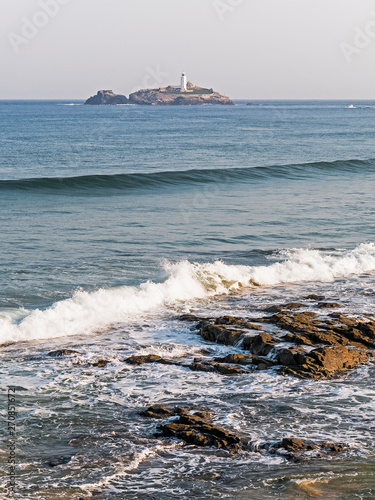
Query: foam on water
{"points": [[89, 312]]}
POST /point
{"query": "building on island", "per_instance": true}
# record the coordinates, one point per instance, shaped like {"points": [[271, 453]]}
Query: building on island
{"points": [[185, 87]]}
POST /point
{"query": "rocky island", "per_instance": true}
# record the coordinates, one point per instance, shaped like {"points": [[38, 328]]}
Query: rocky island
{"points": [[185, 94]]}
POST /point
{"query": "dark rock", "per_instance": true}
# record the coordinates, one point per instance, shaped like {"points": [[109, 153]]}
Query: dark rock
{"points": [[328, 305], [261, 344], [197, 431], [220, 334], [211, 366], [291, 356], [107, 97], [238, 322], [157, 411], [238, 359], [201, 367], [189, 317], [62, 352], [149, 358], [295, 449], [101, 363], [315, 297], [55, 461]]}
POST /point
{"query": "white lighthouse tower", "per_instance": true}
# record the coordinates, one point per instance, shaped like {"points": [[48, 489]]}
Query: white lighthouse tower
{"points": [[183, 82]]}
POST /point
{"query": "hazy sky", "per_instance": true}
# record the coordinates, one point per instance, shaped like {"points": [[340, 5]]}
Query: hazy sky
{"points": [[252, 49]]}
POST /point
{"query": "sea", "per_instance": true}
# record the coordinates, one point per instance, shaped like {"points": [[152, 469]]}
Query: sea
{"points": [[114, 221]]}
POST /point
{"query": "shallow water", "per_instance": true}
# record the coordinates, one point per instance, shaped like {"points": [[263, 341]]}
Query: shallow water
{"points": [[115, 220]]}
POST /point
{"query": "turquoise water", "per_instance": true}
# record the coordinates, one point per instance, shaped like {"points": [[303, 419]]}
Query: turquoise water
{"points": [[114, 220]]}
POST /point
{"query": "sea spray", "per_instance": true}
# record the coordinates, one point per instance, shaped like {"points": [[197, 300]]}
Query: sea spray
{"points": [[88, 312]]}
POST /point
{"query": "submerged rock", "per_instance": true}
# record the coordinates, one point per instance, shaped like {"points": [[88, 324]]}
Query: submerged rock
{"points": [[297, 449], [62, 352], [55, 461], [101, 363]]}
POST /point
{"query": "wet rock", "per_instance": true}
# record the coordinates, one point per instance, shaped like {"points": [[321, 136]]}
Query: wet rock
{"points": [[263, 363], [282, 307], [212, 366], [194, 427], [291, 356], [220, 334], [101, 363], [238, 322], [148, 358], [157, 411], [55, 461], [328, 305], [261, 344], [301, 328], [62, 352], [296, 449], [189, 317], [197, 431], [238, 359], [201, 367], [328, 361], [313, 296]]}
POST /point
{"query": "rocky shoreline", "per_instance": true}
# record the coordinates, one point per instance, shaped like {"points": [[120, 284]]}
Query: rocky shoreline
{"points": [[292, 339], [311, 339]]}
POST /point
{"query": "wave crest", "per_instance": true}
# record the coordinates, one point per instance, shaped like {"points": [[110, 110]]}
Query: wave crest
{"points": [[89, 312], [183, 177]]}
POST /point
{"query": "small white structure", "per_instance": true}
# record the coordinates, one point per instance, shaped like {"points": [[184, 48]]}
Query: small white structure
{"points": [[183, 82]]}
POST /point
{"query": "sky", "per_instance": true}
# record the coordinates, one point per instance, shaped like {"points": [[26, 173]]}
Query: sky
{"points": [[246, 49]]}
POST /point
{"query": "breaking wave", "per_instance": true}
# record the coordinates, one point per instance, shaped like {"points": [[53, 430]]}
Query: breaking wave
{"points": [[89, 312]]}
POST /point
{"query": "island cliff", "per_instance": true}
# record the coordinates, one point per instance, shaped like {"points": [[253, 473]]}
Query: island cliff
{"points": [[190, 94]]}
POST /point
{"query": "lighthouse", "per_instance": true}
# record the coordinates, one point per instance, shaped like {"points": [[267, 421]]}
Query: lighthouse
{"points": [[183, 82]]}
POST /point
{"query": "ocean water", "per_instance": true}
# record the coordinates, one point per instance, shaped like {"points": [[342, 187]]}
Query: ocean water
{"points": [[116, 219]]}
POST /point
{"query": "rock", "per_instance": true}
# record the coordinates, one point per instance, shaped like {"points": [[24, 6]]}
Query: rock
{"points": [[238, 359], [313, 296], [194, 427], [55, 461], [327, 361], [238, 322], [149, 358], [291, 356], [189, 317], [62, 352], [280, 308], [107, 97], [295, 449], [328, 305], [337, 358], [212, 366], [172, 97], [101, 363], [348, 339], [220, 334], [197, 431], [261, 344], [157, 411]]}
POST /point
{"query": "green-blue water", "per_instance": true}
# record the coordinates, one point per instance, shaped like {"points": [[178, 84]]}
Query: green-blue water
{"points": [[113, 220]]}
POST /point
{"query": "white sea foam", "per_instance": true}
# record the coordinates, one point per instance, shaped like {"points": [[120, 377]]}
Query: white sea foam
{"points": [[88, 312]]}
